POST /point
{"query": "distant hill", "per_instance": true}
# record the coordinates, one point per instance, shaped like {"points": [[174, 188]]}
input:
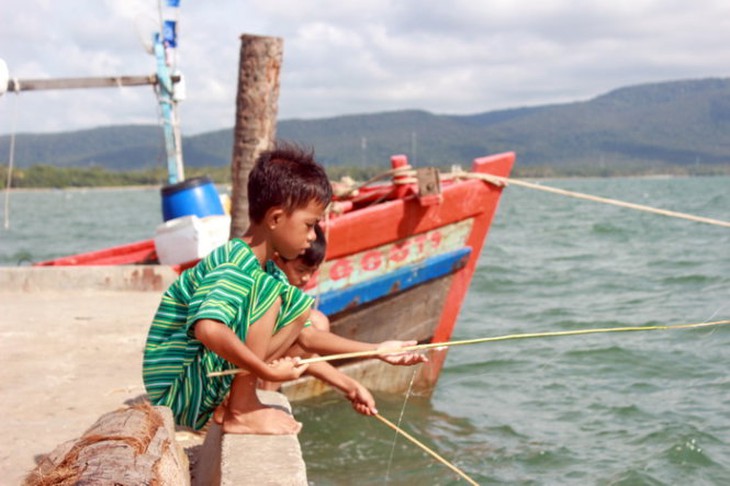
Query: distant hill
{"points": [[672, 123]]}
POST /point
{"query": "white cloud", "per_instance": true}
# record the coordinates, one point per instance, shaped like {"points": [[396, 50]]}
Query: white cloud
{"points": [[358, 56]]}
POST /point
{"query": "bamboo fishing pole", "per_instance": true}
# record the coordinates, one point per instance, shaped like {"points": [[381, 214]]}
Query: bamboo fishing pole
{"points": [[530, 335], [576, 332], [420, 444], [425, 448], [493, 339]]}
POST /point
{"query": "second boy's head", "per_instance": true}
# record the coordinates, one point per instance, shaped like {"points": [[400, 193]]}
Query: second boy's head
{"points": [[287, 194], [300, 270]]}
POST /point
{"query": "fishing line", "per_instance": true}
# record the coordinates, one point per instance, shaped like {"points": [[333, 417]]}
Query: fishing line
{"points": [[400, 419], [722, 307], [712, 331]]}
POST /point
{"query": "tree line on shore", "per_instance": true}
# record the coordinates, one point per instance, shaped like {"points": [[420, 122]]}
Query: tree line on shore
{"points": [[47, 176]]}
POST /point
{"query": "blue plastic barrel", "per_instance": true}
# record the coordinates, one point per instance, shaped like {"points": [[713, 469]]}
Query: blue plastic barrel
{"points": [[196, 196]]}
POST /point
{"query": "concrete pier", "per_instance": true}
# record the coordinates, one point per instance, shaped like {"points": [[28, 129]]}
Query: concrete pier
{"points": [[231, 460], [71, 339]]}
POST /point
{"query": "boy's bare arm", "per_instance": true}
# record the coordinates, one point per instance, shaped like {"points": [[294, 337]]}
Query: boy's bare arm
{"points": [[332, 376], [325, 342], [221, 339], [362, 401]]}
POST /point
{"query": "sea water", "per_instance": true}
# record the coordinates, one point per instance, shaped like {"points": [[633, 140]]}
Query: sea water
{"points": [[609, 409]]}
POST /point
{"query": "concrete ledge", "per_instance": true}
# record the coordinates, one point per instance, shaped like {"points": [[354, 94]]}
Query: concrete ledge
{"points": [[73, 278], [228, 460]]}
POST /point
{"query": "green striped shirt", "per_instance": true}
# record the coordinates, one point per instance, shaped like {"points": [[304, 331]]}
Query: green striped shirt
{"points": [[229, 286]]}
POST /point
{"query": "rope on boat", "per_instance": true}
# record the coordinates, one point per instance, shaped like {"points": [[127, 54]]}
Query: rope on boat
{"points": [[508, 337], [425, 448], [615, 202], [405, 175]]}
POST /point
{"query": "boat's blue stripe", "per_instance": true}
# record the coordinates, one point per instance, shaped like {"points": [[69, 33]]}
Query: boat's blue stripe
{"points": [[396, 281]]}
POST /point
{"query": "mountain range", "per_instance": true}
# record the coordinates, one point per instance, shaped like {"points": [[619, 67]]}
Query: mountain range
{"points": [[674, 123]]}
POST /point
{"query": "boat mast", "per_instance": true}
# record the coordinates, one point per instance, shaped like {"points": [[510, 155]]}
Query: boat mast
{"points": [[168, 110], [164, 46], [168, 87]]}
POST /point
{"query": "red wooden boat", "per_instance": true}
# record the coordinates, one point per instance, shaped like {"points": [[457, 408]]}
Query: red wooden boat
{"points": [[399, 262], [400, 269]]}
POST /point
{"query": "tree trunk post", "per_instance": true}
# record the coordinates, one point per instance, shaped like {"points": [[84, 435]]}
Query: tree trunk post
{"points": [[256, 110]]}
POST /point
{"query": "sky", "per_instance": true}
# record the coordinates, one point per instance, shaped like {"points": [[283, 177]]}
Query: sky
{"points": [[353, 56]]}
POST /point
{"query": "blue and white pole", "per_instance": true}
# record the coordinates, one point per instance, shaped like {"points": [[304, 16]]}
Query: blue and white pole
{"points": [[164, 44]]}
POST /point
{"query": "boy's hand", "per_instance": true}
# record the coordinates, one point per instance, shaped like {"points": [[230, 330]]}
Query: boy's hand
{"points": [[283, 369], [362, 401], [404, 359]]}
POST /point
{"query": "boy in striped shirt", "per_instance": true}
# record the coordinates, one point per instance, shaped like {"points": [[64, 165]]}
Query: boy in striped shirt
{"points": [[235, 309]]}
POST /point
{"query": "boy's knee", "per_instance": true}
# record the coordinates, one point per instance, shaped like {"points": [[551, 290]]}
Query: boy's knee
{"points": [[320, 321]]}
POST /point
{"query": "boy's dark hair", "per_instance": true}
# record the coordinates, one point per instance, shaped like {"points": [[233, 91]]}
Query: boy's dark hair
{"points": [[287, 176], [314, 255]]}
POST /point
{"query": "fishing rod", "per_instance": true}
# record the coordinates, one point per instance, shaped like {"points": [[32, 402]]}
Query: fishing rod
{"points": [[425, 448], [421, 445], [576, 332], [433, 453], [508, 337]]}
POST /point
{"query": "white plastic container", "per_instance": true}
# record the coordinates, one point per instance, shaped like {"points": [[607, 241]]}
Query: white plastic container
{"points": [[188, 238]]}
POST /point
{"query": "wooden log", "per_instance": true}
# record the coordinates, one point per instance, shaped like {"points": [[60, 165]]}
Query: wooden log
{"points": [[256, 111], [127, 447]]}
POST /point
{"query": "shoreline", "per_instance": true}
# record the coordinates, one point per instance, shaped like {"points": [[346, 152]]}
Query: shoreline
{"points": [[4, 190], [81, 188]]}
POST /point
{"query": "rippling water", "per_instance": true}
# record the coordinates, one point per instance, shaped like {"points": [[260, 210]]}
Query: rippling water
{"points": [[621, 409]]}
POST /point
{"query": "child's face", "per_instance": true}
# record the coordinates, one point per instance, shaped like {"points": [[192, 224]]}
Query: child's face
{"points": [[293, 233], [297, 272]]}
